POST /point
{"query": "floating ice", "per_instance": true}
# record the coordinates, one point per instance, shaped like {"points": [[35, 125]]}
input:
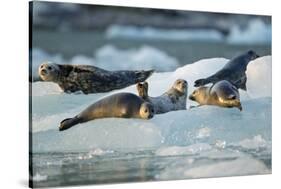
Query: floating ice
{"points": [[256, 142], [133, 32], [259, 75], [257, 32], [145, 57], [207, 124], [183, 150], [237, 167]]}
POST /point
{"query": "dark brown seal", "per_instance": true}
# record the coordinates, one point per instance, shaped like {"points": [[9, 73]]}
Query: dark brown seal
{"points": [[120, 105]]}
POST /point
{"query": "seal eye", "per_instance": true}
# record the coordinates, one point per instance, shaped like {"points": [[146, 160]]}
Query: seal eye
{"points": [[145, 110], [49, 68]]}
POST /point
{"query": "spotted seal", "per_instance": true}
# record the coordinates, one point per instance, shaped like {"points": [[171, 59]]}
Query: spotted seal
{"points": [[172, 100], [89, 79]]}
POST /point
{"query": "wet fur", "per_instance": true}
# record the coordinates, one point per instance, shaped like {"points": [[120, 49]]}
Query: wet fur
{"points": [[233, 71], [222, 90], [120, 105]]}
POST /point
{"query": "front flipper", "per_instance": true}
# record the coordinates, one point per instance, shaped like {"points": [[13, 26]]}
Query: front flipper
{"points": [[174, 99], [241, 83]]}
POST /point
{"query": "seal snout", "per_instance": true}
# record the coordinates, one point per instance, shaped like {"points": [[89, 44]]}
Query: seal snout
{"points": [[43, 72], [191, 97], [150, 116], [253, 55]]}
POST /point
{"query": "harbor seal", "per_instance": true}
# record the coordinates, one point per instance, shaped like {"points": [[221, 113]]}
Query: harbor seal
{"points": [[121, 105], [172, 100], [222, 94], [233, 71], [89, 79]]}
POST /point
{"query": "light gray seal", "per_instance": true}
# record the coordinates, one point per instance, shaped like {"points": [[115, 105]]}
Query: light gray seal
{"points": [[172, 100], [89, 79], [222, 94], [233, 71], [120, 105]]}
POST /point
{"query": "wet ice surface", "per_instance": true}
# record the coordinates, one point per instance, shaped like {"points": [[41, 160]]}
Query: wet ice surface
{"points": [[202, 142]]}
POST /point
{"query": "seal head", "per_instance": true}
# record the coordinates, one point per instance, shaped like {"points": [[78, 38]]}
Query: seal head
{"points": [[49, 71], [181, 86], [146, 110]]}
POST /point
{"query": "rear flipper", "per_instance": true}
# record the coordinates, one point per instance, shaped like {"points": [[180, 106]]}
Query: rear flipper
{"points": [[241, 83], [201, 82], [68, 122], [142, 89], [143, 75]]}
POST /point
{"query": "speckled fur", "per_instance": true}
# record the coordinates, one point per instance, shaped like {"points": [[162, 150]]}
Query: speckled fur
{"points": [[171, 100], [91, 79]]}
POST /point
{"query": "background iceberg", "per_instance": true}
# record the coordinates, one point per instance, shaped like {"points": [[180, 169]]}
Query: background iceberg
{"points": [[256, 32]]}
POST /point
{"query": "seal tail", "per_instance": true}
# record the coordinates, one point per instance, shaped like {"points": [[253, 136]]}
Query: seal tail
{"points": [[141, 76], [68, 122]]}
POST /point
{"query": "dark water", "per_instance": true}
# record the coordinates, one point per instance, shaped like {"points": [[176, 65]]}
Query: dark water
{"points": [[72, 43], [82, 168]]}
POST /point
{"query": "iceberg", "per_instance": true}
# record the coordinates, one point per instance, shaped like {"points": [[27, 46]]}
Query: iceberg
{"points": [[207, 124]]}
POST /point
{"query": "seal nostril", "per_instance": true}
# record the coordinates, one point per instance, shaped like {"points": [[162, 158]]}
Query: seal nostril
{"points": [[43, 72]]}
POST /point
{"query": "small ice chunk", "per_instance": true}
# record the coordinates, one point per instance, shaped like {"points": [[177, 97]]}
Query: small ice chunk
{"points": [[254, 143]]}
